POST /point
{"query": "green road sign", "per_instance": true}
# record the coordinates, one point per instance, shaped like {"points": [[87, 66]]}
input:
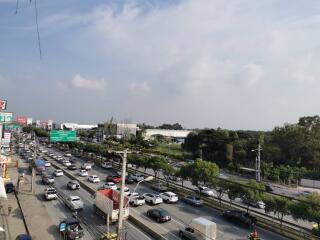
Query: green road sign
{"points": [[5, 117], [11, 127], [63, 136]]}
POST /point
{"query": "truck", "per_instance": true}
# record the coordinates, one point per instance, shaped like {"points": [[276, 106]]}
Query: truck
{"points": [[107, 204], [40, 166], [71, 229], [199, 229]]}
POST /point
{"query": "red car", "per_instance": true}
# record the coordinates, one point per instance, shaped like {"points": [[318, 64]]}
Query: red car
{"points": [[114, 178]]}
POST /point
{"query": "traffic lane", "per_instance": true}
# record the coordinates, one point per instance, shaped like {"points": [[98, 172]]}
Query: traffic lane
{"points": [[56, 209], [61, 183], [183, 213]]}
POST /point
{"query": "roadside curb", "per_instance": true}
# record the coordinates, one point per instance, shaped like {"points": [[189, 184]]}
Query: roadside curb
{"points": [[23, 216]]}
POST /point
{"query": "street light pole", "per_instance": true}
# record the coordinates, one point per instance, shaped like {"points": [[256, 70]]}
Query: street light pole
{"points": [[258, 162], [123, 177]]}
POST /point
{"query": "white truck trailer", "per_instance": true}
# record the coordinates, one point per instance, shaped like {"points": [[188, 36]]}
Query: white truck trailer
{"points": [[107, 204], [199, 229]]}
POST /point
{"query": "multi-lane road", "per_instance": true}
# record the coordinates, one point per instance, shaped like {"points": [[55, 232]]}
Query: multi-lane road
{"points": [[181, 213]]}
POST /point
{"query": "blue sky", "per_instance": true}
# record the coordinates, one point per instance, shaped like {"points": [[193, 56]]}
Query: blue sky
{"points": [[238, 64]]}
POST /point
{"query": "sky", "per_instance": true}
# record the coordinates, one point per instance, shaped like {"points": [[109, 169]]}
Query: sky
{"points": [[234, 64]]}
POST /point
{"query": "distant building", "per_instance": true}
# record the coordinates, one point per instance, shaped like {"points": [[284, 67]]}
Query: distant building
{"points": [[119, 130], [75, 126], [29, 121], [174, 135]]}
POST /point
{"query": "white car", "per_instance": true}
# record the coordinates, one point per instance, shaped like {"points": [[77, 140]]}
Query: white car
{"points": [[126, 191], [50, 193], [152, 198], [136, 199], [106, 165], [68, 155], [169, 197], [74, 203], [47, 164], [206, 191], [66, 163], [94, 179], [110, 185], [83, 173], [137, 177], [86, 166], [58, 172]]}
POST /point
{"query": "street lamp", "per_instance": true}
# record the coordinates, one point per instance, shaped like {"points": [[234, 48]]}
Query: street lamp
{"points": [[147, 179], [258, 162]]}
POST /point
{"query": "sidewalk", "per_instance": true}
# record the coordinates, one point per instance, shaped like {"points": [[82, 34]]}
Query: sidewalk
{"points": [[37, 219]]}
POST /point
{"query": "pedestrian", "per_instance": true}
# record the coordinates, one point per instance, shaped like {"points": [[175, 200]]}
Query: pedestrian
{"points": [[9, 210]]}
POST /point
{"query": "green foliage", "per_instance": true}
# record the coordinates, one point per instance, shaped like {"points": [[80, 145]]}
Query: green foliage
{"points": [[156, 163], [202, 172], [253, 192], [175, 126]]}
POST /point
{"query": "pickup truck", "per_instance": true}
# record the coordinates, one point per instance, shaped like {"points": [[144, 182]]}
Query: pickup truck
{"points": [[73, 229], [135, 199], [50, 193]]}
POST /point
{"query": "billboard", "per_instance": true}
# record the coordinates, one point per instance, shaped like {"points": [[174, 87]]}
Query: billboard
{"points": [[3, 104], [63, 136], [23, 120], [29, 121], [5, 117]]}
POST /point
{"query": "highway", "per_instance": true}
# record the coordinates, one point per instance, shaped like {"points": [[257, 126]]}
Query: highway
{"points": [[181, 213]]}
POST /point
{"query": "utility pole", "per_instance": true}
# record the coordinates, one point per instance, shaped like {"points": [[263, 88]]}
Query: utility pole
{"points": [[33, 178], [259, 163], [123, 177]]}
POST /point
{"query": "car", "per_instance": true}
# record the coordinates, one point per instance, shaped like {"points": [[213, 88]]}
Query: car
{"points": [[135, 199], [47, 164], [74, 203], [66, 163], [114, 178], [108, 185], [72, 167], [73, 185], [159, 187], [129, 180], [126, 191], [169, 197], [159, 214], [106, 165], [86, 166], [255, 203], [58, 173], [50, 193], [206, 191], [23, 237], [47, 179], [152, 198], [240, 217], [269, 188], [94, 179], [193, 200], [67, 155], [9, 187], [137, 177], [83, 173]]}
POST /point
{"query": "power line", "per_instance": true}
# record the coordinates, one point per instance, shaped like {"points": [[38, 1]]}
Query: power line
{"points": [[38, 34]]}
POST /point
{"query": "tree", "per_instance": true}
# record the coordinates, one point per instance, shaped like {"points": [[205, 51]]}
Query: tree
{"points": [[203, 172], [252, 192], [221, 187], [156, 163], [233, 191], [282, 207]]}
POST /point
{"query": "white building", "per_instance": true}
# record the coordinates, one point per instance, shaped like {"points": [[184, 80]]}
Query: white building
{"points": [[173, 134], [75, 126]]}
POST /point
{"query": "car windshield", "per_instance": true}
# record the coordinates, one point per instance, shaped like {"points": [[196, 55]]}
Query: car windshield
{"points": [[76, 200]]}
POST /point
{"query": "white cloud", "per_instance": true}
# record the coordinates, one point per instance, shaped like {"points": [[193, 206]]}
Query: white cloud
{"points": [[79, 81], [140, 88]]}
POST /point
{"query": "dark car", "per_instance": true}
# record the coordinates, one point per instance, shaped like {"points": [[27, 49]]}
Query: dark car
{"points": [[269, 188], [193, 200], [24, 237], [129, 180], [240, 217], [9, 187], [159, 214], [72, 167], [114, 178], [73, 185]]}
